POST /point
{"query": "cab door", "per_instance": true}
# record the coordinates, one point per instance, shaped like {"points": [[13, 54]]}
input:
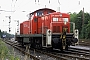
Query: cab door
{"points": [[35, 25], [55, 25]]}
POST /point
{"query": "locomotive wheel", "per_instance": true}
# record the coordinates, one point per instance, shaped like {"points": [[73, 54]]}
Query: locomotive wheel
{"points": [[51, 49], [61, 48], [33, 45], [38, 46], [22, 43]]}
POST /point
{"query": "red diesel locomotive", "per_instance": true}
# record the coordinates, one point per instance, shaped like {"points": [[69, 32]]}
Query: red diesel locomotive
{"points": [[47, 28]]}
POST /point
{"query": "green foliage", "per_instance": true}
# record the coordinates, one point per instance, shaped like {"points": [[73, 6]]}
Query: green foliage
{"points": [[16, 58], [13, 58], [1, 33], [73, 16], [87, 18], [4, 52], [88, 30], [5, 33], [84, 29], [72, 19], [83, 32]]}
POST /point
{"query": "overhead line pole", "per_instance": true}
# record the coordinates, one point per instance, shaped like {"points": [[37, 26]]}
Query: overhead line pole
{"points": [[59, 4], [83, 17], [9, 25]]}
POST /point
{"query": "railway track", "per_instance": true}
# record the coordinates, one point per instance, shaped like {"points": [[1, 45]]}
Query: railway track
{"points": [[80, 52], [20, 49], [67, 55], [36, 54], [72, 54], [84, 42]]}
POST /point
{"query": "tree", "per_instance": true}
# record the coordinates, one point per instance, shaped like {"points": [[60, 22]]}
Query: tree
{"points": [[87, 18], [82, 25], [72, 19], [83, 32], [88, 30], [85, 26]]}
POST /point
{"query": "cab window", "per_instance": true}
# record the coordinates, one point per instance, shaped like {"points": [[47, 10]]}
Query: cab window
{"points": [[39, 13], [55, 19]]}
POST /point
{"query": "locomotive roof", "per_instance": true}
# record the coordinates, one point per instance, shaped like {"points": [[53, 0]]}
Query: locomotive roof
{"points": [[42, 9]]}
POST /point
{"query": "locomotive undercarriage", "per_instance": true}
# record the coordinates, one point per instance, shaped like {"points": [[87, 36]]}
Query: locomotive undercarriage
{"points": [[62, 43], [36, 42]]}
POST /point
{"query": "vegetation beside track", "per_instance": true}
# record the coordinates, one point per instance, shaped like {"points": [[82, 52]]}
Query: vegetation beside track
{"points": [[82, 23], [5, 53]]}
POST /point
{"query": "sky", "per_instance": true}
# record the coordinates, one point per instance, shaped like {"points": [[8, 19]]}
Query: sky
{"points": [[19, 10]]}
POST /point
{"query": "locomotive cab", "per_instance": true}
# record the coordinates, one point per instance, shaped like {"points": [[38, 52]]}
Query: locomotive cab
{"points": [[61, 36]]}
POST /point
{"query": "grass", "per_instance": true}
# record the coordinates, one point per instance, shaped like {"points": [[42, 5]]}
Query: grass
{"points": [[5, 52]]}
